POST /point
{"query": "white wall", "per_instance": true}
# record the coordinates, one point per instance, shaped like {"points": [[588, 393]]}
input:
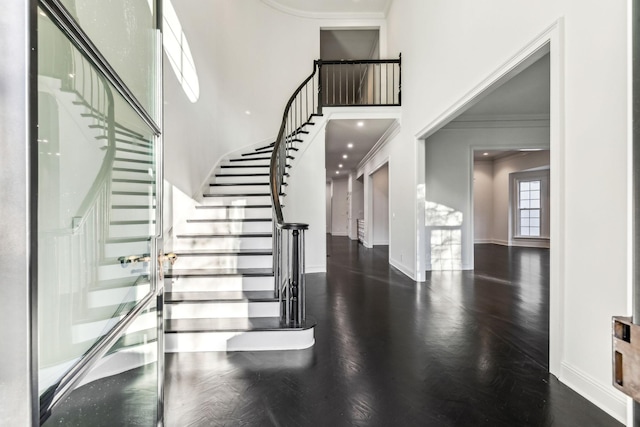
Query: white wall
{"points": [[501, 170], [356, 204], [339, 207], [247, 60], [305, 201], [449, 165], [590, 60], [328, 206], [483, 201], [380, 189]]}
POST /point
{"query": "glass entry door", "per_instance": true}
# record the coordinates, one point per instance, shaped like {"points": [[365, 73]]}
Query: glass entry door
{"points": [[99, 316]]}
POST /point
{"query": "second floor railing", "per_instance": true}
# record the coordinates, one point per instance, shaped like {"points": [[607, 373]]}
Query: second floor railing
{"points": [[331, 84]]}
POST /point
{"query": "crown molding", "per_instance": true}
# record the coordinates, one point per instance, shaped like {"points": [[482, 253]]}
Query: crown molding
{"points": [[326, 15], [387, 136]]}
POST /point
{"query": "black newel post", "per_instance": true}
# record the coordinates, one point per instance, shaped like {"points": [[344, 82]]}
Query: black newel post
{"points": [[295, 278]]}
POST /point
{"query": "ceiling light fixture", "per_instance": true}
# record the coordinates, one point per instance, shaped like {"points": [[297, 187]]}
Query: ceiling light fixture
{"points": [[485, 154], [337, 172], [340, 165], [360, 124], [344, 156], [350, 145]]}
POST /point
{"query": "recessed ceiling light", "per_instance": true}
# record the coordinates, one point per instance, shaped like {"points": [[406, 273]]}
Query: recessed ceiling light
{"points": [[344, 156], [485, 154], [360, 124], [531, 149], [350, 145], [248, 113], [337, 172], [340, 165]]}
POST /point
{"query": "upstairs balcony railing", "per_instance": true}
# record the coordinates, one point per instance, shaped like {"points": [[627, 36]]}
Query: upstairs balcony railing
{"points": [[371, 83]]}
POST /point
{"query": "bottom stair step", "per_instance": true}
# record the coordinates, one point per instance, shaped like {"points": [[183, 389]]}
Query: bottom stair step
{"points": [[256, 334]]}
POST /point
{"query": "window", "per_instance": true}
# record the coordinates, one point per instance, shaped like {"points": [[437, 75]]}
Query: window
{"points": [[529, 208], [530, 204]]}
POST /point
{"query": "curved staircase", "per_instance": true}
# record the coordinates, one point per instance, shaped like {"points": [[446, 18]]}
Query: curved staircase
{"points": [[220, 293]]}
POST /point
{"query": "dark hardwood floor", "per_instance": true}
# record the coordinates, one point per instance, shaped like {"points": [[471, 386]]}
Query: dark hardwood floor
{"points": [[462, 349]]}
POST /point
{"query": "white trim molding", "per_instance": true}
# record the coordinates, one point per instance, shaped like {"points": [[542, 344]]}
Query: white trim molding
{"points": [[550, 41], [606, 397]]}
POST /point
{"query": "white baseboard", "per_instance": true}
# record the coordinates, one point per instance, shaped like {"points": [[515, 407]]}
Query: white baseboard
{"points": [[531, 243], [403, 268], [604, 396], [367, 244], [517, 243], [315, 269], [340, 234], [381, 243], [482, 241]]}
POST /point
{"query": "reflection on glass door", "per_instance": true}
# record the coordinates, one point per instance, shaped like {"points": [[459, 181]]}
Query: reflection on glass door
{"points": [[97, 237]]}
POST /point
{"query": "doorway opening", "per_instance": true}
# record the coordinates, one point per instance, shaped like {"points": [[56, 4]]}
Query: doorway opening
{"points": [[487, 199], [338, 44]]}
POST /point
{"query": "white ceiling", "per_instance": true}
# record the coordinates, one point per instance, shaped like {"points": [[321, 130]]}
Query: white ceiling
{"points": [[527, 93], [332, 8], [342, 132]]}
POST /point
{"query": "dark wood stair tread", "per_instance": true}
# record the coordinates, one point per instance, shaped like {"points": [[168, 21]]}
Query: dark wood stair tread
{"points": [[249, 160], [220, 272], [243, 166], [223, 252], [231, 325], [222, 220], [220, 296], [233, 206], [234, 184], [207, 235], [237, 195], [231, 175]]}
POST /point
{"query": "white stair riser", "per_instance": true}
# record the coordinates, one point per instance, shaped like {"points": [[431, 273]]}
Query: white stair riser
{"points": [[237, 200], [115, 250], [236, 170], [237, 179], [123, 162], [91, 330], [238, 341], [128, 199], [251, 162], [239, 189], [132, 186], [141, 153], [117, 271], [223, 227], [217, 243], [139, 175], [132, 230], [232, 213], [107, 297], [133, 214], [226, 261], [223, 283], [208, 310]]}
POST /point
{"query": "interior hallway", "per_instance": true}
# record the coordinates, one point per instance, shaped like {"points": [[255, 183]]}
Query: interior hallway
{"points": [[462, 349]]}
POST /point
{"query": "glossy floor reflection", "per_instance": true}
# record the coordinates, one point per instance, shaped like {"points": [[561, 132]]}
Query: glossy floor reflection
{"points": [[462, 349]]}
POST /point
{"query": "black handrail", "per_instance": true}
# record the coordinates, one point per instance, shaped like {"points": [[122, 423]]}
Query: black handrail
{"points": [[368, 88], [273, 178]]}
